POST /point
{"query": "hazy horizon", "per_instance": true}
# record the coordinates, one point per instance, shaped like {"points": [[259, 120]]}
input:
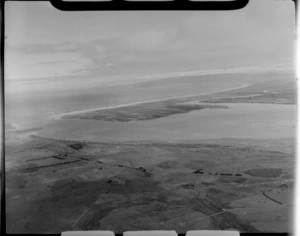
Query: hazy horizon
{"points": [[42, 41]]}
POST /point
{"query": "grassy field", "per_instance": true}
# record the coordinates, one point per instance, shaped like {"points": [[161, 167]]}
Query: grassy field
{"points": [[63, 185]]}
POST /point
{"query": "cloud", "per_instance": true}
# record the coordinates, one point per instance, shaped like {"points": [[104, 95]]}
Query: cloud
{"points": [[42, 48], [150, 40], [57, 62], [257, 33], [86, 56]]}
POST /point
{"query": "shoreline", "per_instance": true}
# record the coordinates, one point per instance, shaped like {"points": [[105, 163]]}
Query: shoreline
{"points": [[144, 102], [166, 142]]}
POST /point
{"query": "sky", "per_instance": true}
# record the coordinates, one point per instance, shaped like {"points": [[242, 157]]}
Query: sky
{"points": [[42, 41]]}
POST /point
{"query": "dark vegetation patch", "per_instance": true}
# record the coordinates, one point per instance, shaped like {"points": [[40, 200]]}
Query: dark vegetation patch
{"points": [[38, 167], [188, 186], [264, 172], [227, 174], [144, 171], [146, 111], [77, 146], [199, 171]]}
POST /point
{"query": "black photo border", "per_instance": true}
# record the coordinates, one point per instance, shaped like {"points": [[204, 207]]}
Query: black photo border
{"points": [[112, 5]]}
